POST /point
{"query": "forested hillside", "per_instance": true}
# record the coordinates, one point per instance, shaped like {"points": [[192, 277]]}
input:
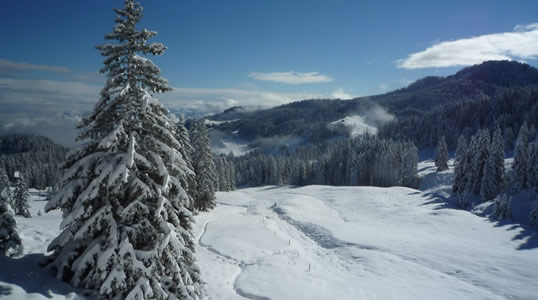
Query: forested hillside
{"points": [[35, 157], [476, 96]]}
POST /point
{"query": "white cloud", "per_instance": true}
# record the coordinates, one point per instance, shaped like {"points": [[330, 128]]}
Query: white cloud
{"points": [[341, 94], [520, 44], [383, 87], [202, 101], [291, 77], [45, 106], [10, 65]]}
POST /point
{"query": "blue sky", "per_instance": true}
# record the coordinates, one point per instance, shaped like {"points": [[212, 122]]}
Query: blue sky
{"points": [[225, 53]]}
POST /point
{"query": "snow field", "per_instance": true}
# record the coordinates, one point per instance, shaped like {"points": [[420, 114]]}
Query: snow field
{"points": [[356, 123], [24, 278], [322, 242], [360, 243]]}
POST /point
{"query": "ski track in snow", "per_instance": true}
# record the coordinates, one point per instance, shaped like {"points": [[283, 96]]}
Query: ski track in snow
{"points": [[451, 273], [231, 260], [324, 239]]}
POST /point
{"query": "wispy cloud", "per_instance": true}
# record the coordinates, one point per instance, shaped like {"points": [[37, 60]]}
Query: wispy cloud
{"points": [[53, 107], [341, 94], [291, 77], [520, 44], [202, 101], [18, 66]]}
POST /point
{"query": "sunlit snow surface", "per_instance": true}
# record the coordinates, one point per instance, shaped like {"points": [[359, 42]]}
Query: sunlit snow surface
{"points": [[321, 242], [356, 123]]}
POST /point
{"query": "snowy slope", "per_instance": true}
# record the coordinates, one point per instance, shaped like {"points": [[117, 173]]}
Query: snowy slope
{"points": [[320, 242], [23, 278], [356, 123]]}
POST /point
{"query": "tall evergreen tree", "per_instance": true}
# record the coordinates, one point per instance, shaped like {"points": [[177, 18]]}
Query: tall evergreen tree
{"points": [[126, 233], [5, 188], [503, 207], [10, 242], [204, 167], [459, 166], [20, 198], [521, 160], [493, 176], [532, 176], [480, 158], [441, 155], [186, 150], [463, 175]]}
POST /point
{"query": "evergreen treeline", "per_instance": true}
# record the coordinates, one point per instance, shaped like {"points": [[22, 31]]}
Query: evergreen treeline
{"points": [[37, 157], [479, 168], [480, 173], [507, 111], [360, 161], [224, 173]]}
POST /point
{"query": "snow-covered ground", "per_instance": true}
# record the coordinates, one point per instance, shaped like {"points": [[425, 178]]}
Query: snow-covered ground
{"points": [[23, 278], [357, 124], [322, 242]]}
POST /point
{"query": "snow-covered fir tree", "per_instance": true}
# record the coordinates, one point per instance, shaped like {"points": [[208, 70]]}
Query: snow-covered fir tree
{"points": [[5, 187], [186, 150], [204, 167], [10, 242], [225, 170], [532, 176], [480, 152], [467, 171], [503, 207], [521, 160], [20, 198], [441, 155], [460, 165], [532, 133], [126, 233], [493, 176]]}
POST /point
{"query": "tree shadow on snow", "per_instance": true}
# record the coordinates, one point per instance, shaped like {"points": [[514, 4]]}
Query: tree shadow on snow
{"points": [[26, 273], [528, 235], [5, 291], [530, 239], [441, 201], [273, 187]]}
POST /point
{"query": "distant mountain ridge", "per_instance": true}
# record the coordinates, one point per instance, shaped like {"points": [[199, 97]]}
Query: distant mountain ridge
{"points": [[309, 118]]}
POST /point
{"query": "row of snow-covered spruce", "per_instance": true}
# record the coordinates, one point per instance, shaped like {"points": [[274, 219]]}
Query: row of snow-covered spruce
{"points": [[480, 175]]}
